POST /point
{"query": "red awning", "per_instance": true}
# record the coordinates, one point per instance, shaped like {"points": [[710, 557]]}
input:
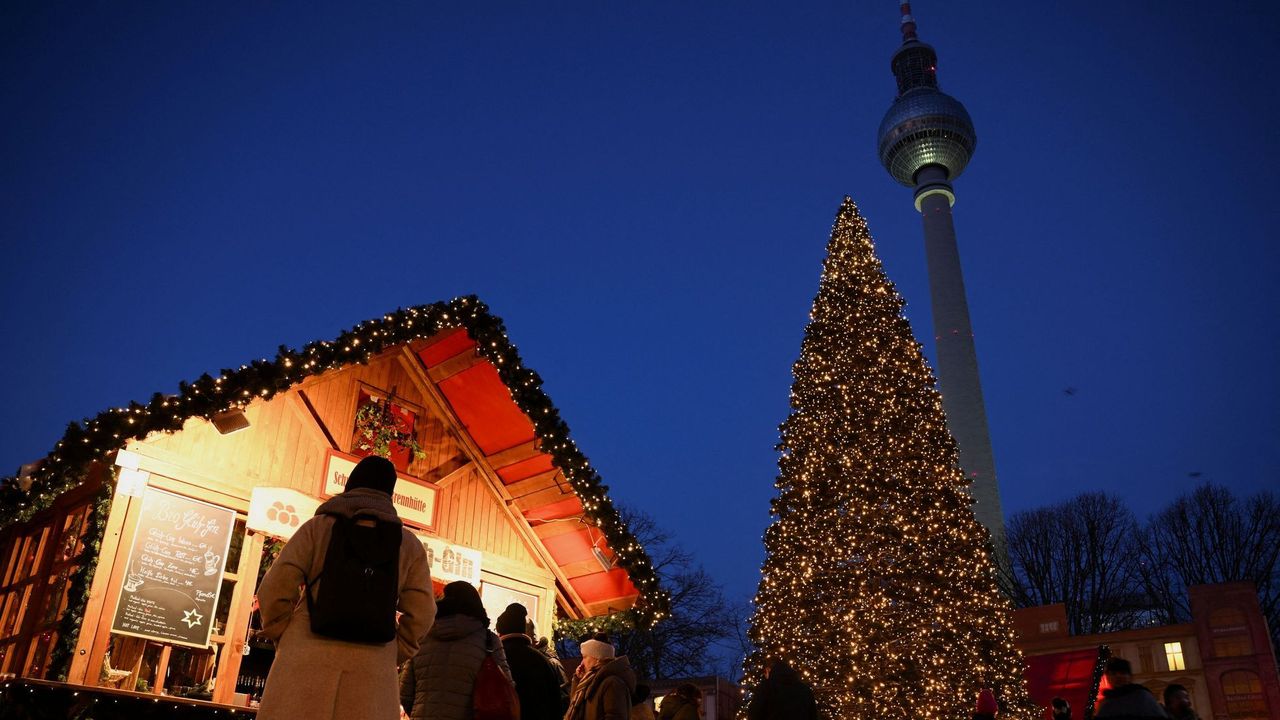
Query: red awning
{"points": [[1068, 675], [483, 404]]}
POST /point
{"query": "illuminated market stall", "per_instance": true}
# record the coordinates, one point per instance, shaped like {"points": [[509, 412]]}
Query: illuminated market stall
{"points": [[130, 554]]}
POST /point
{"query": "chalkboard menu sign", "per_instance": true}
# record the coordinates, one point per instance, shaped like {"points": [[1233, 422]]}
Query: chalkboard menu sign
{"points": [[171, 582]]}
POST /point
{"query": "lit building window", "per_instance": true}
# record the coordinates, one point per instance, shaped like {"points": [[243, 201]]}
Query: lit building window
{"points": [[1244, 695], [1173, 653]]}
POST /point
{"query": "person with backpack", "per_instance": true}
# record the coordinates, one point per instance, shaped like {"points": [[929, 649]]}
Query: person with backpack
{"points": [[537, 683], [461, 670], [337, 648]]}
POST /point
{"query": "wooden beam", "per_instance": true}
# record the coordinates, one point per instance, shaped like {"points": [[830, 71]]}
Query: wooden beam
{"points": [[310, 419], [582, 567], [541, 481], [533, 501], [464, 360], [454, 476], [431, 394], [513, 455], [446, 468], [176, 475], [554, 528], [604, 607]]}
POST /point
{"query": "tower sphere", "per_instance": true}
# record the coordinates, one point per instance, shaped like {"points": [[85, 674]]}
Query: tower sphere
{"points": [[926, 126]]}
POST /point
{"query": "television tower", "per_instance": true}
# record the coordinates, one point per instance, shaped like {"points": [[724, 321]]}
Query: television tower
{"points": [[926, 139]]}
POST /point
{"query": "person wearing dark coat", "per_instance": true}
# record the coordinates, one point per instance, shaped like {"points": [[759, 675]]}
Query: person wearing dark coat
{"points": [[537, 683], [602, 685], [782, 696], [1177, 702], [683, 703], [438, 683], [1126, 699]]}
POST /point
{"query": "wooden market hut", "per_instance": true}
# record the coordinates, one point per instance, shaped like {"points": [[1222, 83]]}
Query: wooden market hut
{"points": [[497, 490]]}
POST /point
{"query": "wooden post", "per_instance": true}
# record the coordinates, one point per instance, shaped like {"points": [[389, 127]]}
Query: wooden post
{"points": [[95, 630], [162, 669], [237, 630]]}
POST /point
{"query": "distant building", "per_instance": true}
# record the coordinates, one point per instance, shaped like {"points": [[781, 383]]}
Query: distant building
{"points": [[1223, 656]]}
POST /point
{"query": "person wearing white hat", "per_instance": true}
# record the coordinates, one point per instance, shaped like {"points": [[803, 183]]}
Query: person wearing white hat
{"points": [[603, 684]]}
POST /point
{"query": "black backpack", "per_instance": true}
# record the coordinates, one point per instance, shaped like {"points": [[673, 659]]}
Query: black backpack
{"points": [[357, 600]]}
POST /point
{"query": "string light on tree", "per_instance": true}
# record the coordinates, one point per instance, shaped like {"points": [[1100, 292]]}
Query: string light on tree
{"points": [[877, 585]]}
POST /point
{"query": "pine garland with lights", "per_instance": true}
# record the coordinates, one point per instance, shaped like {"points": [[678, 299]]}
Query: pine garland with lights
{"points": [[98, 438], [78, 584], [877, 585], [1095, 687], [35, 700], [618, 622]]}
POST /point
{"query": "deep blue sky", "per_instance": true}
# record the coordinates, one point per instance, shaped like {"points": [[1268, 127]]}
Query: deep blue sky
{"points": [[644, 193]]}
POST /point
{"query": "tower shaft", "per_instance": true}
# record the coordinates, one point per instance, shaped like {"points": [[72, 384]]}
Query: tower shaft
{"points": [[925, 141], [957, 357]]}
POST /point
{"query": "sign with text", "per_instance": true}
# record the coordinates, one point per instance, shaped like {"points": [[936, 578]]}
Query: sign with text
{"points": [[279, 512], [174, 572], [451, 562], [415, 502]]}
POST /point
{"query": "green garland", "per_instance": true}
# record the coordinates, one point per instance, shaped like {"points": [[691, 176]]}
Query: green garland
{"points": [[623, 621], [1099, 666], [78, 588], [98, 438], [23, 699]]}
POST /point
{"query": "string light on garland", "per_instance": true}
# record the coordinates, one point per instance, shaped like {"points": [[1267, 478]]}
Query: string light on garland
{"points": [[96, 439], [1095, 687], [37, 700], [623, 621], [877, 585], [79, 581]]}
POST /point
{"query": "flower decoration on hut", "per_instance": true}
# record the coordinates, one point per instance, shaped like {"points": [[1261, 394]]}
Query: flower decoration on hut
{"points": [[378, 429], [95, 440]]}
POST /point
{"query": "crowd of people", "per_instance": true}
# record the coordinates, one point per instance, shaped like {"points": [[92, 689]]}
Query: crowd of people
{"points": [[359, 634]]}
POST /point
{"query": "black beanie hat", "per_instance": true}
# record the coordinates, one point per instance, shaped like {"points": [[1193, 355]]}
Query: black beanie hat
{"points": [[375, 473], [512, 620], [460, 598]]}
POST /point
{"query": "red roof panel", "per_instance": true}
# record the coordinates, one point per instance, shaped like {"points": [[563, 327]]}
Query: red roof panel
{"points": [[601, 586], [450, 343], [568, 507], [526, 469], [570, 547], [484, 405]]}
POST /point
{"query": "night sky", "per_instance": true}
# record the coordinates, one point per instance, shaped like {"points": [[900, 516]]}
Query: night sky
{"points": [[644, 191]]}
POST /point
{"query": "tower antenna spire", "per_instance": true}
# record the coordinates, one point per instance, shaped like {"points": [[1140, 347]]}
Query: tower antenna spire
{"points": [[925, 141], [908, 22]]}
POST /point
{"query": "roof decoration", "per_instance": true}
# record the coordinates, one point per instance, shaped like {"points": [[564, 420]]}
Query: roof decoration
{"points": [[97, 438]]}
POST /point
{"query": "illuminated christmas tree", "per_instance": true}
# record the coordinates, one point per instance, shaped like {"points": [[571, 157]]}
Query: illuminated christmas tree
{"points": [[878, 586]]}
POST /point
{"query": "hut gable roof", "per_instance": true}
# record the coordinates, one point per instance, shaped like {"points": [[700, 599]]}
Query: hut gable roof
{"points": [[498, 404]]}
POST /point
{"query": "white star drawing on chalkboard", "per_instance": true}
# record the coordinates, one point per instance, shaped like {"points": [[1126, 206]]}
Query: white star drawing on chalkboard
{"points": [[192, 617]]}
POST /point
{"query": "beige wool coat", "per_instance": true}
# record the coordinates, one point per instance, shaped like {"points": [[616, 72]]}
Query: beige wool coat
{"points": [[320, 678]]}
